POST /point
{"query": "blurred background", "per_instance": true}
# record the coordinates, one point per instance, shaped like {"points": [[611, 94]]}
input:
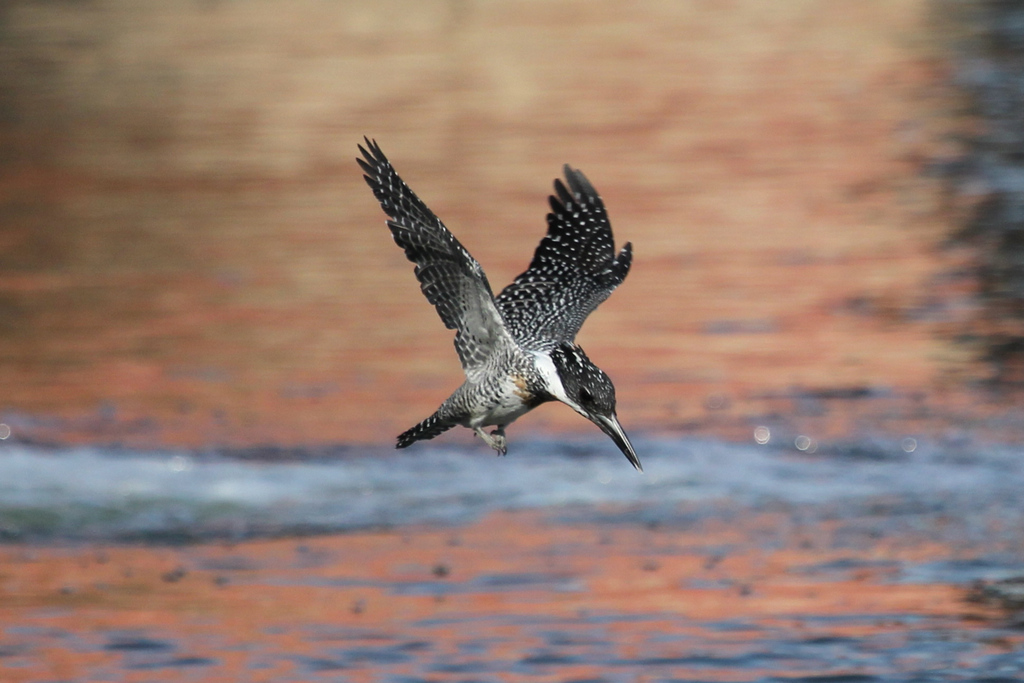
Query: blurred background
{"points": [[189, 255], [208, 342]]}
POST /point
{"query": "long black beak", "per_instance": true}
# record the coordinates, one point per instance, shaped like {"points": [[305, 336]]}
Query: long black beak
{"points": [[609, 424]]}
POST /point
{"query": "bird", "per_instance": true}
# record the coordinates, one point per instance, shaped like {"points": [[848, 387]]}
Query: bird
{"points": [[517, 349]]}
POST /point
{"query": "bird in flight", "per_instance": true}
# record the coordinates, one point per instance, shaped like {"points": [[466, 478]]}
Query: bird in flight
{"points": [[517, 349]]}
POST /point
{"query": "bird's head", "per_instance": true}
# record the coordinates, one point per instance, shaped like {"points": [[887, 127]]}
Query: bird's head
{"points": [[589, 391]]}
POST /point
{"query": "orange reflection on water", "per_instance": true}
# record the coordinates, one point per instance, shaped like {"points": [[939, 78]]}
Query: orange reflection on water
{"points": [[510, 595]]}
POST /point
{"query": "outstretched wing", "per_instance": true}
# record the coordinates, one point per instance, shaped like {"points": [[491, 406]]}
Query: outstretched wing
{"points": [[450, 278], [573, 270]]}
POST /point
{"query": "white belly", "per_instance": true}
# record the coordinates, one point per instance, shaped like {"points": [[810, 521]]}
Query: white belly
{"points": [[504, 408]]}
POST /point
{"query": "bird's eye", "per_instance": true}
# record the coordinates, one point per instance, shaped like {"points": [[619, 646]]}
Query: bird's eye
{"points": [[586, 396]]}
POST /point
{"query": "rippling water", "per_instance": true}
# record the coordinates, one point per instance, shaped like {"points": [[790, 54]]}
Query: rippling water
{"points": [[95, 494], [723, 561]]}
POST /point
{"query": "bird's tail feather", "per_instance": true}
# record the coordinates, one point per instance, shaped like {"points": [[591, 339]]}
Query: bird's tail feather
{"points": [[427, 429]]}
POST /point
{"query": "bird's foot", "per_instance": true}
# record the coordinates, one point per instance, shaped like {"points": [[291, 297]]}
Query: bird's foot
{"points": [[498, 442], [495, 439]]}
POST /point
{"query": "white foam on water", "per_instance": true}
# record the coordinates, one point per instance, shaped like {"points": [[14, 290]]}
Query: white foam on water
{"points": [[95, 493]]}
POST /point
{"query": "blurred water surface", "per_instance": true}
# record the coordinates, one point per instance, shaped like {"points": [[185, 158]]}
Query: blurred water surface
{"points": [[740, 562], [190, 257], [90, 493], [190, 265]]}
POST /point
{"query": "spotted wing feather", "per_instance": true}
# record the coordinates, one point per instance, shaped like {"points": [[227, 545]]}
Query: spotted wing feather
{"points": [[573, 270], [451, 279]]}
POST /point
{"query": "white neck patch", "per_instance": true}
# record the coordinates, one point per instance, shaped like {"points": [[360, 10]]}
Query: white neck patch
{"points": [[552, 382]]}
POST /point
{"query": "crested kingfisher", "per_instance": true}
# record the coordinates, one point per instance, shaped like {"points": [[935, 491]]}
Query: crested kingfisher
{"points": [[517, 349]]}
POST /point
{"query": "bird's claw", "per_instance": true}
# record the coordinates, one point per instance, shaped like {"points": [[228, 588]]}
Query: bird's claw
{"points": [[498, 442], [495, 440]]}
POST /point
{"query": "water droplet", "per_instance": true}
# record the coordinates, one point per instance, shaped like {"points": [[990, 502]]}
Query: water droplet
{"points": [[803, 442], [762, 435], [5, 431], [179, 463], [716, 402], [909, 445]]}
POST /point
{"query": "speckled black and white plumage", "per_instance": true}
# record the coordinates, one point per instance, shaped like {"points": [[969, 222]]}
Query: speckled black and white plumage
{"points": [[517, 349], [450, 278], [573, 270]]}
